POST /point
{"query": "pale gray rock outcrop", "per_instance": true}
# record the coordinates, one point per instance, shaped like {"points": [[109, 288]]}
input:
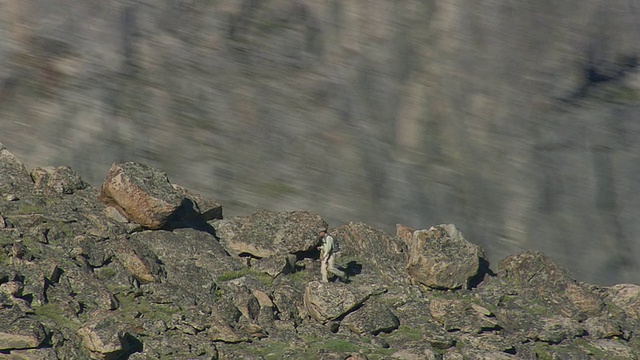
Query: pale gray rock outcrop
{"points": [[268, 233]]}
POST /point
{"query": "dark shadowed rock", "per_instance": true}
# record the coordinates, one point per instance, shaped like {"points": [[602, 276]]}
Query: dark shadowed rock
{"points": [[208, 208], [18, 331], [143, 194], [267, 233], [328, 301], [60, 179], [372, 318], [275, 265], [441, 258]]}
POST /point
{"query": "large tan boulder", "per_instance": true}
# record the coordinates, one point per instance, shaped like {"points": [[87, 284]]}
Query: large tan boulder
{"points": [[141, 193], [441, 258]]}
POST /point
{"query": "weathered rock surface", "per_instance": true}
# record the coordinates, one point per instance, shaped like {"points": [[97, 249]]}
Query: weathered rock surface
{"points": [[441, 258], [77, 284], [61, 179], [267, 233], [372, 318], [143, 194], [479, 114], [328, 301]]}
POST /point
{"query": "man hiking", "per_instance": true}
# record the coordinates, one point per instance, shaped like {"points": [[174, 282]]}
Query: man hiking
{"points": [[328, 257]]}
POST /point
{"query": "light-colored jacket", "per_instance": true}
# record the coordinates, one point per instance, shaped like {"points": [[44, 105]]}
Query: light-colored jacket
{"points": [[327, 245]]}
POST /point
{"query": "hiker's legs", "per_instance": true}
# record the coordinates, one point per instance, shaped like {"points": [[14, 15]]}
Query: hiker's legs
{"points": [[332, 267], [323, 270]]}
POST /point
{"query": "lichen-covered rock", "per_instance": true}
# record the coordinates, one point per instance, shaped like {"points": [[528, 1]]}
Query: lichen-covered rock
{"points": [[441, 258], [20, 332], [371, 318], [142, 193], [60, 179], [141, 263], [456, 315], [328, 301], [105, 337], [627, 297], [359, 238], [191, 259], [275, 265], [268, 233], [555, 329]]}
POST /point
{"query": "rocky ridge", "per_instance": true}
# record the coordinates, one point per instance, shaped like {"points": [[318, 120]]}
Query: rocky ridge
{"points": [[145, 269]]}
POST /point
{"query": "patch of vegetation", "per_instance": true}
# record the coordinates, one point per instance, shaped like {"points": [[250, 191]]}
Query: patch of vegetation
{"points": [[56, 314], [404, 332], [265, 279], [105, 273], [132, 306], [29, 209], [301, 276]]}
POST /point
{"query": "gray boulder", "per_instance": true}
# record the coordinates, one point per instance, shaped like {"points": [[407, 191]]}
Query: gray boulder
{"points": [[468, 317], [441, 258], [18, 331], [60, 179], [192, 260], [358, 238], [267, 233], [275, 265], [105, 337], [372, 318], [328, 301]]}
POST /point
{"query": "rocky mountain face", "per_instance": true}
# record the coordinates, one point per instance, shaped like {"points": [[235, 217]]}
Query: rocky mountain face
{"points": [[514, 120], [141, 268]]}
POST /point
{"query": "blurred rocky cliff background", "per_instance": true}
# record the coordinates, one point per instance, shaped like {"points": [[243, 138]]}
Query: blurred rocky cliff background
{"points": [[518, 121]]}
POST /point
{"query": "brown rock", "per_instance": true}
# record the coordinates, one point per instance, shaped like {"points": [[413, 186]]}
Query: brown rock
{"points": [[141, 193]]}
